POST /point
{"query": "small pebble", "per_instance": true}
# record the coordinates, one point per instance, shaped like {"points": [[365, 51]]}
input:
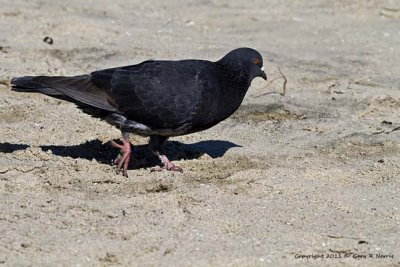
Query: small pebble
{"points": [[48, 40]]}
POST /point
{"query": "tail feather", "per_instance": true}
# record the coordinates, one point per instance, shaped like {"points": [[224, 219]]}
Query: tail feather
{"points": [[28, 84], [76, 89]]}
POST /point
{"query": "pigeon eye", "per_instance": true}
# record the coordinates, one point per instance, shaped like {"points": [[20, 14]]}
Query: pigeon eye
{"points": [[257, 61]]}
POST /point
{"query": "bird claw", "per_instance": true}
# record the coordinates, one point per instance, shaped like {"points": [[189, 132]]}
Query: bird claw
{"points": [[167, 165], [124, 172], [122, 160], [173, 168]]}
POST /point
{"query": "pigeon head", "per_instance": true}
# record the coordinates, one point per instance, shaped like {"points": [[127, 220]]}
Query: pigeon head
{"points": [[243, 65]]}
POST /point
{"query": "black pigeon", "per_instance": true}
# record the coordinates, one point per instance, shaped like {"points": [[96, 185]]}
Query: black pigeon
{"points": [[157, 98]]}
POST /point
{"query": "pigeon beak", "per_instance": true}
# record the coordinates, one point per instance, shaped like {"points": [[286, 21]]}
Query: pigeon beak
{"points": [[263, 74]]}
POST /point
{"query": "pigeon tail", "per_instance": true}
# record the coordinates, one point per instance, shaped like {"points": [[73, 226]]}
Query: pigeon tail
{"points": [[76, 89], [28, 84]]}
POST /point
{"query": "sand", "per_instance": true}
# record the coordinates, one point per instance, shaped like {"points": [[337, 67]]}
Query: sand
{"points": [[286, 180]]}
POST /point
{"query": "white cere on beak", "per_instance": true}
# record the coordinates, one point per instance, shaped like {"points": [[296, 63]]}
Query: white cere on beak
{"points": [[262, 68]]}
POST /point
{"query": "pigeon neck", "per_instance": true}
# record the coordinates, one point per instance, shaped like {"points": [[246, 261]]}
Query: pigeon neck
{"points": [[234, 73], [235, 84]]}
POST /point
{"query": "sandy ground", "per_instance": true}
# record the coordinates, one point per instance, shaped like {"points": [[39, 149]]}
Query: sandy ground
{"points": [[315, 172]]}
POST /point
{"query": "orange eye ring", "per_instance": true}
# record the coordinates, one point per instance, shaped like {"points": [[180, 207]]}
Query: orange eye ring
{"points": [[257, 61]]}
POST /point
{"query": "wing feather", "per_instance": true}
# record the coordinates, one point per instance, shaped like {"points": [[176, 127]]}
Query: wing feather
{"points": [[81, 89], [160, 94]]}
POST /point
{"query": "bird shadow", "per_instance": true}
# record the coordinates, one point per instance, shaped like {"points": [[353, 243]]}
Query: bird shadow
{"points": [[141, 155], [10, 148]]}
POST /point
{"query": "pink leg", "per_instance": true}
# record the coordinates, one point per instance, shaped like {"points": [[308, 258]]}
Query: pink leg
{"points": [[168, 165], [122, 160], [155, 143]]}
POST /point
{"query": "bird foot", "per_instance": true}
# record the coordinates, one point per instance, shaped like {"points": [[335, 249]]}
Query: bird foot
{"points": [[122, 161], [167, 165]]}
